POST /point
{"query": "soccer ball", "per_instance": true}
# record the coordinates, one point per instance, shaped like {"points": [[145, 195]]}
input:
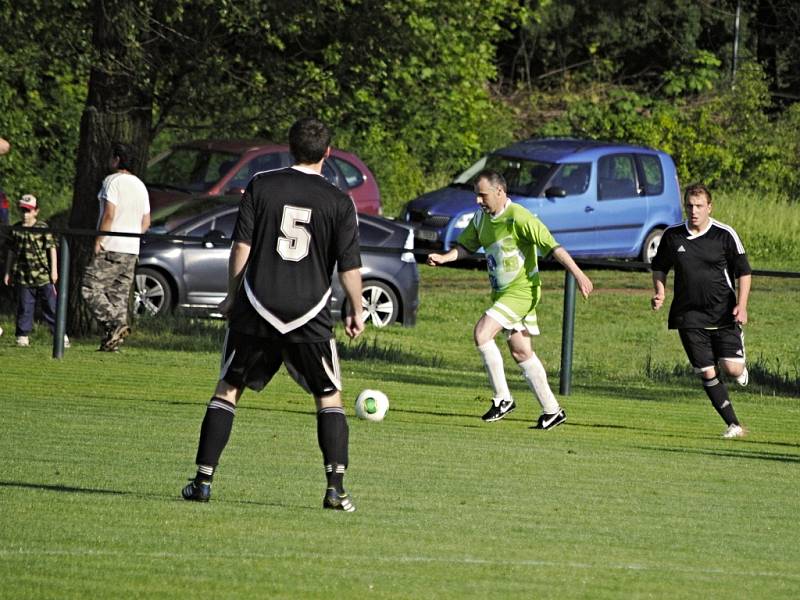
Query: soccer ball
{"points": [[372, 405]]}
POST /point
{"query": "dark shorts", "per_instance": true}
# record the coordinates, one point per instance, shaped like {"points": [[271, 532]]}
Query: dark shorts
{"points": [[251, 361], [705, 347]]}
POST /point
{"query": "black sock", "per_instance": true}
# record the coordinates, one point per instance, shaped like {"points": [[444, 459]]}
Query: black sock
{"points": [[332, 435], [718, 394], [214, 434]]}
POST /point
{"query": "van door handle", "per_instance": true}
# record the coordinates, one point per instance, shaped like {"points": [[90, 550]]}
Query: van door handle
{"points": [[588, 209]]}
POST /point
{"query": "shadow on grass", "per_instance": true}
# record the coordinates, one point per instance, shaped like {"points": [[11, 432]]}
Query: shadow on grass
{"points": [[738, 453], [66, 489]]}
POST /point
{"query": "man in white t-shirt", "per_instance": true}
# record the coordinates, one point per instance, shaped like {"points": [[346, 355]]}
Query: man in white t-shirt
{"points": [[124, 208]]}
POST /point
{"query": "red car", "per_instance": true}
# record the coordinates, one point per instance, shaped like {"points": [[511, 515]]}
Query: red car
{"points": [[219, 167]]}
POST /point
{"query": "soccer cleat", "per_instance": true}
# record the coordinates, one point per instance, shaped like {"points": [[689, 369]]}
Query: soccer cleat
{"points": [[23, 341], [198, 491], [744, 378], [114, 339], [338, 501], [552, 420], [734, 431], [499, 409]]}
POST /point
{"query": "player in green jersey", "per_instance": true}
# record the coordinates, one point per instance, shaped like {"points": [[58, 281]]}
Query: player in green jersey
{"points": [[511, 236]]}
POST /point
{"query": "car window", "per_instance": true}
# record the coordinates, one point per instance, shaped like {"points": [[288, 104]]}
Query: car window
{"points": [[573, 178], [190, 169], [352, 175], [225, 223], [524, 177], [200, 229], [264, 162], [651, 174], [616, 177]]}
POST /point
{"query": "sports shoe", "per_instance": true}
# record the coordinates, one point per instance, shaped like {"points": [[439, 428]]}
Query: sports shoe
{"points": [[552, 420], [744, 378], [199, 491], [734, 431], [499, 409], [23, 341], [338, 501], [114, 339]]}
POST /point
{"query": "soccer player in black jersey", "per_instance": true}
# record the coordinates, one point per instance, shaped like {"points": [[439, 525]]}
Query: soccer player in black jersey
{"points": [[293, 228], [707, 256]]}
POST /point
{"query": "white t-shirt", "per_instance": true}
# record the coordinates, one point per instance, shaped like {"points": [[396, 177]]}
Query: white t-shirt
{"points": [[129, 195]]}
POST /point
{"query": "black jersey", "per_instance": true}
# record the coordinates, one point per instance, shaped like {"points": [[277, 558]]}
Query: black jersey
{"points": [[299, 227], [706, 267]]}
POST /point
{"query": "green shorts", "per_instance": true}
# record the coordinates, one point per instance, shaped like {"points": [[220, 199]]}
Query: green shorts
{"points": [[515, 310]]}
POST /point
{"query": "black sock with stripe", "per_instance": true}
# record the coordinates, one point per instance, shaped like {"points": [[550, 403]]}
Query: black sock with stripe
{"points": [[333, 436], [214, 434], [718, 394]]}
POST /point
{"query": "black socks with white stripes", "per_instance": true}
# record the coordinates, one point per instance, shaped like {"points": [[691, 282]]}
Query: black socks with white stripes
{"points": [[333, 435], [718, 394], [214, 434]]}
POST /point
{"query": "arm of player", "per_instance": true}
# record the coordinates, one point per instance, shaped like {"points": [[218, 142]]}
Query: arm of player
{"points": [[585, 284], [351, 283], [455, 253], [109, 210], [740, 310], [659, 289], [240, 253]]}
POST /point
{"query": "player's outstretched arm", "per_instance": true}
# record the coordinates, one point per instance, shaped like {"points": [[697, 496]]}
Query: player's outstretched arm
{"points": [[455, 253], [659, 289], [585, 284], [351, 282]]}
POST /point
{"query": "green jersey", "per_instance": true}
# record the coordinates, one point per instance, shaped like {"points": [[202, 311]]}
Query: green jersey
{"points": [[510, 240]]}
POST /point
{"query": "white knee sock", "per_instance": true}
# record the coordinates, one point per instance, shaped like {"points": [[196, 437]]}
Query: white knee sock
{"points": [[493, 361], [534, 373]]}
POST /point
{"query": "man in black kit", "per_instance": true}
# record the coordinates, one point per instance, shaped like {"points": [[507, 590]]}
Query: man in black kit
{"points": [[707, 257], [293, 228]]}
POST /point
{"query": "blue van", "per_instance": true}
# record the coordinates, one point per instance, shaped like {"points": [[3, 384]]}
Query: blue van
{"points": [[598, 199]]}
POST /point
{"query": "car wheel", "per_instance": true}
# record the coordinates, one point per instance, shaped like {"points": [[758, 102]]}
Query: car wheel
{"points": [[650, 245], [379, 304], [152, 294]]}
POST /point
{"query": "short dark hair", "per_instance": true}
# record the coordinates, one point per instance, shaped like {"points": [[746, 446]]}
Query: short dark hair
{"points": [[309, 138], [697, 189], [494, 178], [124, 152]]}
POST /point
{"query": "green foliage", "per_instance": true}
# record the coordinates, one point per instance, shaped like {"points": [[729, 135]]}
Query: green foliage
{"points": [[724, 136]]}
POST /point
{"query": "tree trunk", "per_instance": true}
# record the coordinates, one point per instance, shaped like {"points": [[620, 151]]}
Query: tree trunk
{"points": [[119, 108]]}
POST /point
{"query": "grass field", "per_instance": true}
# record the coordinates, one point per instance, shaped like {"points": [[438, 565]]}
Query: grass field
{"points": [[636, 496]]}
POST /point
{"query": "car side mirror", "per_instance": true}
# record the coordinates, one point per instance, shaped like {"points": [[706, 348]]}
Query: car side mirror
{"points": [[555, 192], [214, 238]]}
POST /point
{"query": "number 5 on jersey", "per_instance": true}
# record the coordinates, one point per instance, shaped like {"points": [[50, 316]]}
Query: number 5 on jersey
{"points": [[293, 245]]}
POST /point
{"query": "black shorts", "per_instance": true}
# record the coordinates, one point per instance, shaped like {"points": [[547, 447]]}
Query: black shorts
{"points": [[705, 347], [251, 361]]}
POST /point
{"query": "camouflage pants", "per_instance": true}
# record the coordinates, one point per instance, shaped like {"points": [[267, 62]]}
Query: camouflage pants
{"points": [[106, 287]]}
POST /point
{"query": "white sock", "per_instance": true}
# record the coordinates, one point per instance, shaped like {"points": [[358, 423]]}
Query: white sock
{"points": [[534, 373], [493, 361]]}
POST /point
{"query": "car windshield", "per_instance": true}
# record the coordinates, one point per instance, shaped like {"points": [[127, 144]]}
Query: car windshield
{"points": [[189, 169], [524, 177]]}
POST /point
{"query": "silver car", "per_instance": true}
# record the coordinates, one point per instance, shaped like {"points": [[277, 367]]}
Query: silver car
{"points": [[192, 274]]}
